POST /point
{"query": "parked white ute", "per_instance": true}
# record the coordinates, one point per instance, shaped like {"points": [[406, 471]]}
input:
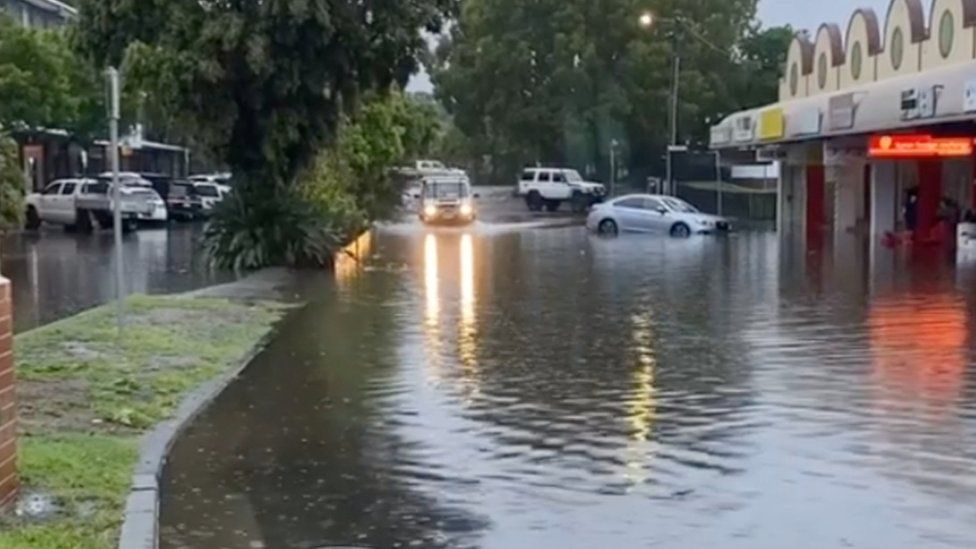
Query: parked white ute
{"points": [[647, 213], [221, 180], [80, 204], [549, 187]]}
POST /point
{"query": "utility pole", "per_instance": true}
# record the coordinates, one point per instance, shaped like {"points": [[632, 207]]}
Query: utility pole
{"points": [[673, 118], [613, 167], [718, 179], [113, 128]]}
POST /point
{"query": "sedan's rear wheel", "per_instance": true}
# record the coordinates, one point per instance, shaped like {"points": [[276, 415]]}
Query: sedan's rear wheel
{"points": [[608, 227], [680, 230]]}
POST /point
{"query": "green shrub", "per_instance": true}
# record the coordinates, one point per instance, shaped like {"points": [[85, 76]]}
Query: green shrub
{"points": [[258, 227], [11, 186]]}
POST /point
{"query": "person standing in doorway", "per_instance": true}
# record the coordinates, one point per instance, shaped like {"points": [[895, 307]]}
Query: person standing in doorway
{"points": [[910, 210]]}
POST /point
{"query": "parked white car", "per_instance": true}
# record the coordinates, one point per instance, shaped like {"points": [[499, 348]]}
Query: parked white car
{"points": [[428, 168], [80, 204], [210, 195], [549, 187], [647, 213], [221, 180]]}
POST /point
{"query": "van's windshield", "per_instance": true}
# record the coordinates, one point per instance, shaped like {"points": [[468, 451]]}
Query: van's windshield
{"points": [[446, 190]]}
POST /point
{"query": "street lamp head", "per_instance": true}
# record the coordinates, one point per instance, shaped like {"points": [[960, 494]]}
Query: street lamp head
{"points": [[646, 20]]}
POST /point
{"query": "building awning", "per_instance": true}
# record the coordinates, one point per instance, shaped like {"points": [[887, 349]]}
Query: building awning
{"points": [[138, 144], [933, 97], [55, 6]]}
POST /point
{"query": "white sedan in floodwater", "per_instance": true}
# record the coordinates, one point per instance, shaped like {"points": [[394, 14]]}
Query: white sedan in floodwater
{"points": [[647, 213]]}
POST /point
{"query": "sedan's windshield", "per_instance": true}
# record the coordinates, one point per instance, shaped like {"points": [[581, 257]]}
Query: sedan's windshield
{"points": [[680, 205]]}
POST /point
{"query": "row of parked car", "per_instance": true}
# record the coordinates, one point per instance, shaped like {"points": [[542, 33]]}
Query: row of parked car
{"points": [[84, 203]]}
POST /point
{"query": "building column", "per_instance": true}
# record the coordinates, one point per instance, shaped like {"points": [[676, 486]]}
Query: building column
{"points": [[848, 198], [816, 191], [789, 213], [929, 196], [884, 199], [9, 483]]}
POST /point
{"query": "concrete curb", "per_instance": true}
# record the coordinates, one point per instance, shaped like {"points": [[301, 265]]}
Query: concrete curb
{"points": [[140, 528]]}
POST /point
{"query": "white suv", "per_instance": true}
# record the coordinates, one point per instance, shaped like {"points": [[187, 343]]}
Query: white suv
{"points": [[549, 187]]}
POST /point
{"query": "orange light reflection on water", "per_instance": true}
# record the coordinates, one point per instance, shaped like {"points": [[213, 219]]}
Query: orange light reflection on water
{"points": [[919, 347]]}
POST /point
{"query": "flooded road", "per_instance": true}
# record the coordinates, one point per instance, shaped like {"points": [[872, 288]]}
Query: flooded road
{"points": [[509, 388], [57, 274]]}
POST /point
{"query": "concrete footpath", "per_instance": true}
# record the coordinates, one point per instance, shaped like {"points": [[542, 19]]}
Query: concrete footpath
{"points": [[140, 529]]}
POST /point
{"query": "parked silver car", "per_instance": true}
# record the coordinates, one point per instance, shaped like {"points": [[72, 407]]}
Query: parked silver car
{"points": [[646, 213]]}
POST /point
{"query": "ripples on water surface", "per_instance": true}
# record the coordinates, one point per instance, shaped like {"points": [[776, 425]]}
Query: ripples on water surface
{"points": [[547, 389]]}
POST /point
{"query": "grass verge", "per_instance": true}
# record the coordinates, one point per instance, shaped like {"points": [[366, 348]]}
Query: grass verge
{"points": [[86, 395]]}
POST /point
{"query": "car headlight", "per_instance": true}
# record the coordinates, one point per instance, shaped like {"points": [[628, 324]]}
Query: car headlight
{"points": [[430, 210], [466, 210]]}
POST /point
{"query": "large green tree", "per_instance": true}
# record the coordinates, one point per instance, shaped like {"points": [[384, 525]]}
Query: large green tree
{"points": [[763, 53], [264, 85], [568, 77], [45, 84]]}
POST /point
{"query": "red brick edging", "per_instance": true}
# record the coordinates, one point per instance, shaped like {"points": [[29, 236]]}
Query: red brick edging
{"points": [[8, 404]]}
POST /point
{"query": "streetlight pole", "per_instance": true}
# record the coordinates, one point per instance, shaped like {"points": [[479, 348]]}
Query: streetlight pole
{"points": [[718, 179], [647, 20], [673, 118], [613, 167]]}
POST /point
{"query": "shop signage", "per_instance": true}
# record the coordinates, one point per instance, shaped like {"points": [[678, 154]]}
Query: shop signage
{"points": [[771, 154], [919, 146], [969, 100], [743, 129], [721, 135], [772, 124], [842, 111], [920, 103], [804, 123]]}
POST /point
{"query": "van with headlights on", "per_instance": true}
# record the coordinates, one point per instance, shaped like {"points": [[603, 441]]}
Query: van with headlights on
{"points": [[447, 200]]}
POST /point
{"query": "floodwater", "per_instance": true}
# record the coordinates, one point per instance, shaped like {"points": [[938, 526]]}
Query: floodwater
{"points": [[513, 387], [57, 274]]}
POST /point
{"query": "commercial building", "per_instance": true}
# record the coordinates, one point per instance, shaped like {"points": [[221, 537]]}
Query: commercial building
{"points": [[39, 13], [869, 115]]}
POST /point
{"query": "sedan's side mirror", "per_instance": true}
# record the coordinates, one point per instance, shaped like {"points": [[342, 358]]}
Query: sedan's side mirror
{"points": [[477, 195], [416, 196], [662, 211]]}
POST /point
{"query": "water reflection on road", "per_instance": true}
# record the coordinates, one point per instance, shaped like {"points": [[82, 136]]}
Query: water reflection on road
{"points": [[543, 388]]}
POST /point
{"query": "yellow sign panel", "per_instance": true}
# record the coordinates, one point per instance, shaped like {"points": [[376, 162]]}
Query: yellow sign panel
{"points": [[772, 124]]}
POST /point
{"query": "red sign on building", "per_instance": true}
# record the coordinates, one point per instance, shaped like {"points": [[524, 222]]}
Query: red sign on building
{"points": [[919, 146]]}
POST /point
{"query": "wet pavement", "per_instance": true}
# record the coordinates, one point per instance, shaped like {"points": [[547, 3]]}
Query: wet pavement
{"points": [[510, 386], [57, 274]]}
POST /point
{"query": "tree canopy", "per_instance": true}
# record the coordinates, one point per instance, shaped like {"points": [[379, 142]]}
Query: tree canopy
{"points": [[558, 80], [45, 84], [263, 84]]}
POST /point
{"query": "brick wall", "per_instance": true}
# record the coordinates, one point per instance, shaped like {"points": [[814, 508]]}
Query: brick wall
{"points": [[8, 405]]}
